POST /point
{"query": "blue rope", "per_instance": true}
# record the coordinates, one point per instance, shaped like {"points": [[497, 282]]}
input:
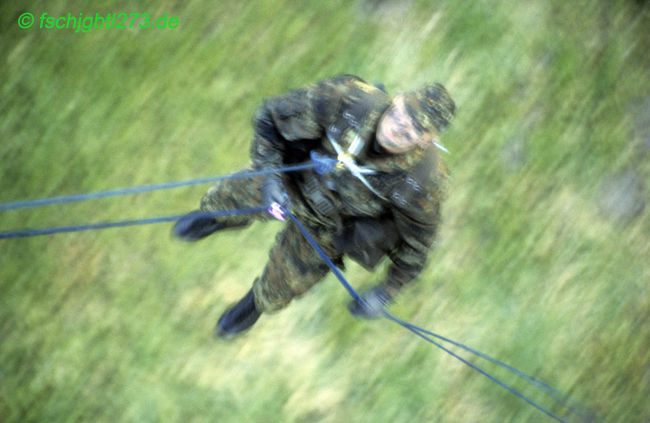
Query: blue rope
{"points": [[323, 255], [314, 164], [426, 335], [549, 390], [422, 334], [105, 225], [321, 165]]}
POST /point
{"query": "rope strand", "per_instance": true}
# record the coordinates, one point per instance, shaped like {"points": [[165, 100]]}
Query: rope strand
{"points": [[148, 188], [319, 165], [551, 391], [423, 333], [473, 366], [26, 233]]}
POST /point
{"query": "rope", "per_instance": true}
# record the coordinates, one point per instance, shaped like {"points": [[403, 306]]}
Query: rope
{"points": [[323, 255], [321, 165], [542, 386], [427, 335], [148, 188], [105, 225], [422, 334]]}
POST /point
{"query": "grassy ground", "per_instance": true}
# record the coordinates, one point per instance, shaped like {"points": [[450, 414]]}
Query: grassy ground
{"points": [[542, 260]]}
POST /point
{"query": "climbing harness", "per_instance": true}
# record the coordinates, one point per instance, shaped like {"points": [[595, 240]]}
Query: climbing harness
{"points": [[346, 160], [321, 165]]}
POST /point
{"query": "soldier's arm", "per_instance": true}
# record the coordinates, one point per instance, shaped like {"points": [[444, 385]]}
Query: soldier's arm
{"points": [[302, 114], [416, 213]]}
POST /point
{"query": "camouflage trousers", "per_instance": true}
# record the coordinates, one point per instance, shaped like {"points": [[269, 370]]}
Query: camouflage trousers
{"points": [[293, 266]]}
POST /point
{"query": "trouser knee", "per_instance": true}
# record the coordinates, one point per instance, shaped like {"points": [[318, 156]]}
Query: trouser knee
{"points": [[279, 285], [233, 194]]}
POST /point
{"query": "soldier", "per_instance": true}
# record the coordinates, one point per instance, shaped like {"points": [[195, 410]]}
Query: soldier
{"points": [[386, 202]]}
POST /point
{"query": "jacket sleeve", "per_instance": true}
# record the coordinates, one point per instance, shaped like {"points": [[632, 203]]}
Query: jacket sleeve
{"points": [[416, 212], [297, 116]]}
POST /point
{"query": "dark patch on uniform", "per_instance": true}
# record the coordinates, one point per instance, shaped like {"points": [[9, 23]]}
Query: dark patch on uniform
{"points": [[264, 125]]}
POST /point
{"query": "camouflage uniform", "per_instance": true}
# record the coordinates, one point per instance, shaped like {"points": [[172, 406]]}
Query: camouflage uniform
{"points": [[408, 187]]}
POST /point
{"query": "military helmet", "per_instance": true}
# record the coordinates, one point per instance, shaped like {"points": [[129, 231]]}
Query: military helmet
{"points": [[430, 107]]}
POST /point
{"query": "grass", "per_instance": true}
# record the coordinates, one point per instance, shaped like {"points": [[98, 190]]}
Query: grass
{"points": [[530, 267]]}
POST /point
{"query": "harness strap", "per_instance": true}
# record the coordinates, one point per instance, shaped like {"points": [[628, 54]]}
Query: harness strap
{"points": [[346, 159]]}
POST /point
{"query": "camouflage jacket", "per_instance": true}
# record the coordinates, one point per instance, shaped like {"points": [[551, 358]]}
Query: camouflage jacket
{"points": [[408, 188]]}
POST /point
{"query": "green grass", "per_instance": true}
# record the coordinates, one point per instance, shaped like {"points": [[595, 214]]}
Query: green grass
{"points": [[116, 325]]}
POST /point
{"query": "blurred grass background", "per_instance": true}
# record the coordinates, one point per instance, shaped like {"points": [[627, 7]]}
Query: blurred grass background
{"points": [[542, 260]]}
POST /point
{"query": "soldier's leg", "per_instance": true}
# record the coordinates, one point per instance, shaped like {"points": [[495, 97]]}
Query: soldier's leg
{"points": [[293, 267], [235, 194], [230, 194]]}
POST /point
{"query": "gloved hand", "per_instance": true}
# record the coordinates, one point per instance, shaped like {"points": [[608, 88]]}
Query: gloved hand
{"points": [[372, 305], [273, 192], [196, 225]]}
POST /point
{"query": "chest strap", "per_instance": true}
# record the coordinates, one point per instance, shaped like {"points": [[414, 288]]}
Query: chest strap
{"points": [[346, 160]]}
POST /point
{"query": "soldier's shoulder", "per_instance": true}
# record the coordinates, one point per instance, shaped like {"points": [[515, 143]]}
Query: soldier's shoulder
{"points": [[419, 178], [348, 83], [327, 95]]}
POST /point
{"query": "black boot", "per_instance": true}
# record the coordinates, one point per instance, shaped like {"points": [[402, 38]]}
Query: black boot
{"points": [[197, 225], [238, 318]]}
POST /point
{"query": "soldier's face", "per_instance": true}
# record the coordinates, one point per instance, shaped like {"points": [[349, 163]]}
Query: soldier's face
{"points": [[396, 132]]}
